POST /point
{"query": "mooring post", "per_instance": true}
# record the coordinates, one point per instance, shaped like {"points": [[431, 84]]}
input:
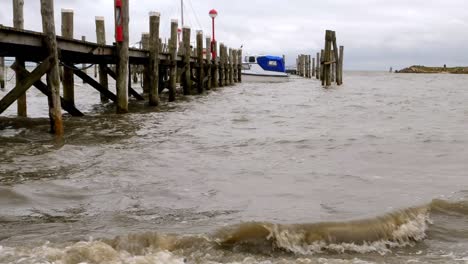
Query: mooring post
{"points": [[18, 23], [121, 21], [214, 68], [173, 58], [101, 40], [186, 78], [208, 63], [53, 75], [239, 73], [146, 74], [317, 70], [154, 47], [336, 57], [68, 81], [340, 67], [201, 62]]}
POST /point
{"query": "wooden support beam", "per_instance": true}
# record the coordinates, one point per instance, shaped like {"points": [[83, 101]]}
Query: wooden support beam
{"points": [[25, 83], [201, 63], [24, 74], [154, 47], [131, 91], [68, 81], [336, 57], [173, 60], [234, 65], [53, 76], [313, 67], [82, 75], [186, 72], [328, 58], [231, 67], [18, 23], [122, 59]]}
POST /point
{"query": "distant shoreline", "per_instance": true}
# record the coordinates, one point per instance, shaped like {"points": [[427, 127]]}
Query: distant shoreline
{"points": [[425, 69]]}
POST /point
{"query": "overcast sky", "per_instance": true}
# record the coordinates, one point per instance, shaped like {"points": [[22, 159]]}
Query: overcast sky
{"points": [[377, 34]]}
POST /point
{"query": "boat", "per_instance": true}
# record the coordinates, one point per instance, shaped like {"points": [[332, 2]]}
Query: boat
{"points": [[264, 68]]}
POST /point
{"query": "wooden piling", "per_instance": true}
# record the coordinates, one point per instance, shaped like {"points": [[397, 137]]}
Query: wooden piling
{"points": [[68, 81], [339, 79], [122, 60], [226, 66], [154, 59], [239, 72], [173, 58], [313, 67], [53, 75], [214, 68], [101, 40], [201, 63], [221, 65], [83, 66], [186, 72], [231, 66], [234, 65], [322, 60], [18, 22], [208, 63], [2, 72], [317, 70], [146, 72], [328, 57]]}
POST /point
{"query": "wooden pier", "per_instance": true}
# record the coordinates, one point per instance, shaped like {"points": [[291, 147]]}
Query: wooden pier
{"points": [[328, 64], [60, 58]]}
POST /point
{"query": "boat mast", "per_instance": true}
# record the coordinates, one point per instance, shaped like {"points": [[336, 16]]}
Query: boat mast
{"points": [[182, 11]]}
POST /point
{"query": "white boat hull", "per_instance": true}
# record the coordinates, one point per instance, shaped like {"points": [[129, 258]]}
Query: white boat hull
{"points": [[264, 78]]}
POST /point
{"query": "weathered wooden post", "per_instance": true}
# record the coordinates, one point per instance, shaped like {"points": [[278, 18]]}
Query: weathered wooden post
{"points": [[208, 63], [83, 66], [313, 67], [339, 79], [68, 81], [239, 73], [226, 66], [173, 58], [322, 66], [317, 70], [101, 40], [122, 19], [328, 58], [231, 66], [201, 62], [187, 77], [333, 67], [234, 65], [2, 72], [53, 75], [154, 59], [215, 71], [221, 65], [146, 72], [18, 23]]}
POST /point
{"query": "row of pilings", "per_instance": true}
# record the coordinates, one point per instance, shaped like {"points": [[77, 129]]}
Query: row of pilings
{"points": [[165, 67], [327, 66]]}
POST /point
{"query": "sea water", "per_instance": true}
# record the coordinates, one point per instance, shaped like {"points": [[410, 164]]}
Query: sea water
{"points": [[374, 171]]}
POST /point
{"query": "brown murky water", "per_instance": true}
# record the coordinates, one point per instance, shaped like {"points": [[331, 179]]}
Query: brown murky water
{"points": [[374, 171]]}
